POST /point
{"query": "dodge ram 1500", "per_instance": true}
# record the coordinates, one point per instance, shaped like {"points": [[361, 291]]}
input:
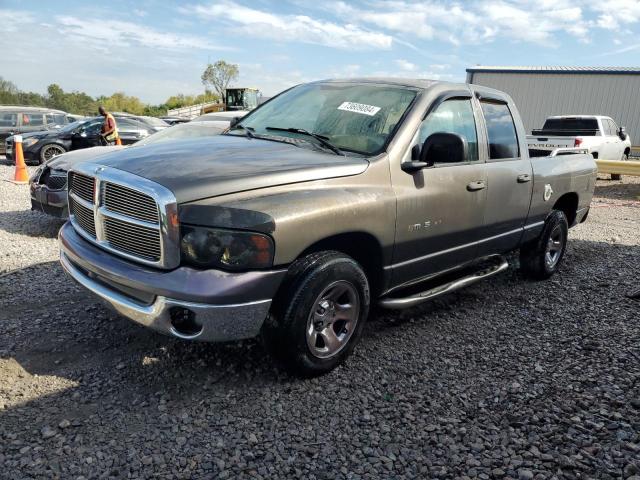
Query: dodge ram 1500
{"points": [[330, 196]]}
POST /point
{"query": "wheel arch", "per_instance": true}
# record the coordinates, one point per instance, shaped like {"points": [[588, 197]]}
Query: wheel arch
{"points": [[627, 151], [363, 247], [568, 204]]}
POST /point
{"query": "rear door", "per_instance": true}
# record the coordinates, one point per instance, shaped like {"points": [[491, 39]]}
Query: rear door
{"points": [[440, 208], [509, 177], [32, 122]]}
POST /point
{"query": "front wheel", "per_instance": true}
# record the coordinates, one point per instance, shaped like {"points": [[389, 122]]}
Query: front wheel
{"points": [[541, 258], [49, 151], [319, 313]]}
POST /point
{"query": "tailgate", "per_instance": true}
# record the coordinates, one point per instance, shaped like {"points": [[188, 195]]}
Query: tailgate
{"points": [[549, 143]]}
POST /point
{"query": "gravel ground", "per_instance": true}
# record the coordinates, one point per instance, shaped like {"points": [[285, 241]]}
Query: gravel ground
{"points": [[506, 379]]}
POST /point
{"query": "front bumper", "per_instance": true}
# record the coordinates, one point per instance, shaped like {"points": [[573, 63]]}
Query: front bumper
{"points": [[222, 306], [51, 202]]}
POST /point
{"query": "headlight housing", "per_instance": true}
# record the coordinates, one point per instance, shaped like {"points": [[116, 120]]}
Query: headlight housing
{"points": [[225, 249], [29, 142], [36, 175]]}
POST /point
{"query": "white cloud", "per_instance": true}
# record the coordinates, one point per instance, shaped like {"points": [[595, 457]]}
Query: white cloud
{"points": [[105, 34], [301, 28], [13, 20], [406, 65], [615, 14], [464, 23]]}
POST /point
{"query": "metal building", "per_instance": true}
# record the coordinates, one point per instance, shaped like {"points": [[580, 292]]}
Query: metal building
{"points": [[543, 91]]}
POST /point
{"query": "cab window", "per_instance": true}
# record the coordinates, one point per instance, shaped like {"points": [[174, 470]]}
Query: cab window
{"points": [[503, 141], [453, 116]]}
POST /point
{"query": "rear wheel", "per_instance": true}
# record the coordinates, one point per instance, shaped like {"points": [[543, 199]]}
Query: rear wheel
{"points": [[49, 151], [541, 258], [318, 315]]}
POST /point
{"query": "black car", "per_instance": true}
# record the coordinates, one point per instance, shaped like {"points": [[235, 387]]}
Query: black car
{"points": [[38, 147], [48, 185]]}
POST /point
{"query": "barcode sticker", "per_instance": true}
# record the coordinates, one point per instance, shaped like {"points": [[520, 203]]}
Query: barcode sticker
{"points": [[359, 108]]}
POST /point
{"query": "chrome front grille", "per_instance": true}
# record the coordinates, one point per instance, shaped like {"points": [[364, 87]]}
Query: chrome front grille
{"points": [[82, 186], [129, 202], [134, 239], [83, 216], [129, 216]]}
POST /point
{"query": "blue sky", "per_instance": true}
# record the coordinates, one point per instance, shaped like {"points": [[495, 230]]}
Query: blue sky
{"points": [[154, 49]]}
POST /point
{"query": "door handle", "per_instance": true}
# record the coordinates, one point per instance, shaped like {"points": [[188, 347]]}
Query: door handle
{"points": [[475, 186], [524, 178]]}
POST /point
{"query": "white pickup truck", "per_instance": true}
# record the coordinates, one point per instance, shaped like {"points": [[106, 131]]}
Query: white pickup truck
{"points": [[597, 134]]}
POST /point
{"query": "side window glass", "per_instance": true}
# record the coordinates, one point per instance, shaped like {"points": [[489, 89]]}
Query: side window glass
{"points": [[32, 120], [93, 128], [612, 128], [453, 116], [503, 141], [8, 120]]}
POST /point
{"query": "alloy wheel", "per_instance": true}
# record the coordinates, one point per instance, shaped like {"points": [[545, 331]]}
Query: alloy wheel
{"points": [[333, 319]]}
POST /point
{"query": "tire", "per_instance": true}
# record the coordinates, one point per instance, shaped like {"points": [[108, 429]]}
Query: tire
{"points": [[310, 330], [541, 258], [617, 176], [50, 150]]}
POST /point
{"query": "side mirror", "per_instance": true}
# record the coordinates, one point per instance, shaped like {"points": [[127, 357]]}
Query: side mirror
{"points": [[439, 147], [234, 121], [622, 133]]}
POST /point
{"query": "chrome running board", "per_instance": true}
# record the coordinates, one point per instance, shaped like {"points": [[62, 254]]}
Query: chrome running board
{"points": [[500, 264]]}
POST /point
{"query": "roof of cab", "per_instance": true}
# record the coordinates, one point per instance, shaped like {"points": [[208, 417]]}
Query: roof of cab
{"points": [[22, 108], [405, 82]]}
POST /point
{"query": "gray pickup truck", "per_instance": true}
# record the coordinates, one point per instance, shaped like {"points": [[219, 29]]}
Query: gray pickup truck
{"points": [[331, 196]]}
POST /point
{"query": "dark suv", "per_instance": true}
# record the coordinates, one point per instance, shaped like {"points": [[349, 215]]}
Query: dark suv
{"points": [[16, 119]]}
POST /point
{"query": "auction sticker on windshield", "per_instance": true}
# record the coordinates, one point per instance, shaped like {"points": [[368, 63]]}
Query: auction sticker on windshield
{"points": [[359, 108]]}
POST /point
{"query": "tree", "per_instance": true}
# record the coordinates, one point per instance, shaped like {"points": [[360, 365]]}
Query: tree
{"points": [[219, 76], [119, 102]]}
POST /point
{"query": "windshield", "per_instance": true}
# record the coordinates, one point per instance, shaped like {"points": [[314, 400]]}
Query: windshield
{"points": [[185, 130], [354, 117], [72, 126], [156, 122]]}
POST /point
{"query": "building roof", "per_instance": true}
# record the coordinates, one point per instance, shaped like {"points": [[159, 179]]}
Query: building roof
{"points": [[579, 70]]}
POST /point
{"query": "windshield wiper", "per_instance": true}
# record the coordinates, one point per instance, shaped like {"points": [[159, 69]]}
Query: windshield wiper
{"points": [[248, 130], [320, 138]]}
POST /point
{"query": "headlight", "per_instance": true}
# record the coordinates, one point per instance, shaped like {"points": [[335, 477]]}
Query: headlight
{"points": [[225, 249], [29, 142], [36, 175]]}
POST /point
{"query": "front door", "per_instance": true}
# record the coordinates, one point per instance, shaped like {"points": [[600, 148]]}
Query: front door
{"points": [[87, 136], [614, 147], [510, 180], [440, 208]]}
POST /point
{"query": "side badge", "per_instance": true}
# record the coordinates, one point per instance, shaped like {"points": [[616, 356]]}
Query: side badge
{"points": [[548, 191]]}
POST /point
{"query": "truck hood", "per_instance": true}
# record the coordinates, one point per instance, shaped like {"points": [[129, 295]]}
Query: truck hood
{"points": [[206, 167]]}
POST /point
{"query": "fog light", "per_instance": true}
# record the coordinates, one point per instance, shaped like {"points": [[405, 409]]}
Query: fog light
{"points": [[184, 322]]}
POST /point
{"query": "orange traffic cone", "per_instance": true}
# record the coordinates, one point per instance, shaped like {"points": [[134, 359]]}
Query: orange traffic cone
{"points": [[118, 141], [21, 176]]}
